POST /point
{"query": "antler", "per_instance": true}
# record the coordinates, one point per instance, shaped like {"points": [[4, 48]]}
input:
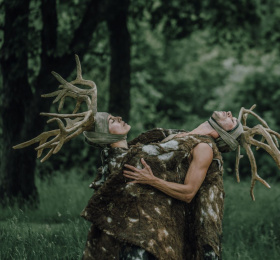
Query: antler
{"points": [[81, 122], [247, 139]]}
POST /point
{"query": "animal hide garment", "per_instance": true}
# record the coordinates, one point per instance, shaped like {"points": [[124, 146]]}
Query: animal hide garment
{"points": [[141, 215]]}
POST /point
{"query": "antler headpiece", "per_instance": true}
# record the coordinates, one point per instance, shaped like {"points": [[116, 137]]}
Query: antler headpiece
{"points": [[76, 123], [247, 139]]}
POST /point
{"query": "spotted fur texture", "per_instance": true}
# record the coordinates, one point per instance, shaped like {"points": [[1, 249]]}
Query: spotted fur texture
{"points": [[143, 216]]}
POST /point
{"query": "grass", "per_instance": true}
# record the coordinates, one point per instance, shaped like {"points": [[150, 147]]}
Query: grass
{"points": [[251, 229], [56, 231]]}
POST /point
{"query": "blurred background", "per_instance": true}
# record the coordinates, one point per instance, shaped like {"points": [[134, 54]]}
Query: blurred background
{"points": [[156, 63]]}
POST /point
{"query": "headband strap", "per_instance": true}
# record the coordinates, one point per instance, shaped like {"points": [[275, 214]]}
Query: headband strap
{"points": [[102, 138], [227, 138]]}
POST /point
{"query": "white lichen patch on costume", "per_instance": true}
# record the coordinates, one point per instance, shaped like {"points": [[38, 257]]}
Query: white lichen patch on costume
{"points": [[221, 195], [104, 249], [130, 189], [211, 255], [151, 243], [165, 156], [212, 213], [127, 186], [219, 163], [108, 232], [170, 249], [85, 214], [113, 162], [169, 201], [109, 220], [217, 208], [203, 212], [138, 165], [150, 149], [211, 194], [173, 144], [201, 220], [145, 215], [162, 234], [157, 210], [133, 220]]}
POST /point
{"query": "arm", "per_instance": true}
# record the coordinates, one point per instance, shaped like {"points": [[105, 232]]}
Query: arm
{"points": [[202, 158]]}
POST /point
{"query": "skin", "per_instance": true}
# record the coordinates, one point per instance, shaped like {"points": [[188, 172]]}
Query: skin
{"points": [[202, 158], [119, 127]]}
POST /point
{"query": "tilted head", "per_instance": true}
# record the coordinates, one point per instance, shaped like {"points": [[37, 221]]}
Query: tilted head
{"points": [[107, 129], [228, 128]]}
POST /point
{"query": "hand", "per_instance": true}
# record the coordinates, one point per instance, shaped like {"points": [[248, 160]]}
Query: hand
{"points": [[144, 176], [181, 135]]}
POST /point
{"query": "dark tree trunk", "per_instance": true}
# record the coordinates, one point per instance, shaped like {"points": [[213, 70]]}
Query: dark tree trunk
{"points": [[17, 167], [20, 113], [119, 102]]}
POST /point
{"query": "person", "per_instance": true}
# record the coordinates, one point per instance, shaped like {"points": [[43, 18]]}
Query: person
{"points": [[132, 220], [222, 126]]}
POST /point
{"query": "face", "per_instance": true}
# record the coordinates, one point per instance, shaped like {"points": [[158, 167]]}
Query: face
{"points": [[225, 119], [117, 126]]}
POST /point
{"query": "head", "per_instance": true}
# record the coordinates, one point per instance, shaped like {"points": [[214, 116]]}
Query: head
{"points": [[107, 130], [228, 129], [117, 126], [225, 119]]}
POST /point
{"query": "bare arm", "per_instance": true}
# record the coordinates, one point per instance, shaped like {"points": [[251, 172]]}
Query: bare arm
{"points": [[202, 158]]}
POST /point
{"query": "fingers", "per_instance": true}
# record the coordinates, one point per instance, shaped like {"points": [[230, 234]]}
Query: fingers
{"points": [[131, 167], [130, 173], [145, 164]]}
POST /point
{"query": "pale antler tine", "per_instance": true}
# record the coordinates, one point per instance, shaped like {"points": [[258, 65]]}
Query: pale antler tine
{"points": [[255, 175], [59, 78], [64, 115], [270, 147], [79, 68], [78, 104], [48, 144], [253, 107], [60, 144], [59, 96], [49, 154], [263, 122], [61, 103], [238, 157], [82, 121], [52, 94], [27, 143]]}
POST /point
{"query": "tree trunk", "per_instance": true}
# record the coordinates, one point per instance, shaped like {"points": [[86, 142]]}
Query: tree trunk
{"points": [[119, 102], [17, 169], [21, 120]]}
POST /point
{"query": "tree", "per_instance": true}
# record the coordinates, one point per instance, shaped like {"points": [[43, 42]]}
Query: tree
{"points": [[22, 98]]}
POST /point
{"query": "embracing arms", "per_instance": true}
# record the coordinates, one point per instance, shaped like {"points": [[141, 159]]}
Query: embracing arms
{"points": [[202, 158]]}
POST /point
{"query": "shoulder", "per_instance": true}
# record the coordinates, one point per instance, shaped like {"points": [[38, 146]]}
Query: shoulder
{"points": [[203, 154]]}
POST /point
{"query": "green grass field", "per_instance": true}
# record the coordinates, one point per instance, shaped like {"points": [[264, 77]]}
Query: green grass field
{"points": [[56, 231]]}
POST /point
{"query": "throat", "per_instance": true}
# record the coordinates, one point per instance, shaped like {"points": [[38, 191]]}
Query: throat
{"points": [[120, 144], [205, 129]]}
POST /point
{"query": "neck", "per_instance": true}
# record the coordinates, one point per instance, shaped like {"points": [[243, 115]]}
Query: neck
{"points": [[121, 144], [205, 129]]}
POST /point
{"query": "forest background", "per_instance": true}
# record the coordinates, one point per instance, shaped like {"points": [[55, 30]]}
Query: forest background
{"points": [[156, 63]]}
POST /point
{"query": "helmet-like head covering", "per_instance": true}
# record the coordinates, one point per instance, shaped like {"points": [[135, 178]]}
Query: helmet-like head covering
{"points": [[227, 137], [100, 134]]}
